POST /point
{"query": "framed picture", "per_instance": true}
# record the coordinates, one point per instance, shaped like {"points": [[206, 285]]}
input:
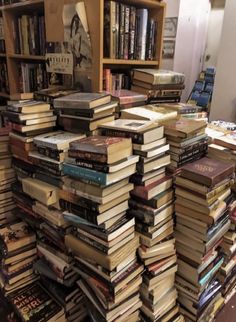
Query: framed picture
{"points": [[170, 27], [168, 50]]}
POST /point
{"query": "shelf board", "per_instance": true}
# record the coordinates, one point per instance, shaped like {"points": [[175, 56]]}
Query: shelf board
{"points": [[2, 94], [111, 61], [146, 3], [26, 57], [24, 4]]}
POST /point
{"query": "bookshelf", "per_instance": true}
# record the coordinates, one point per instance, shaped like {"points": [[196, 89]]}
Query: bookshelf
{"points": [[96, 26], [156, 11]]}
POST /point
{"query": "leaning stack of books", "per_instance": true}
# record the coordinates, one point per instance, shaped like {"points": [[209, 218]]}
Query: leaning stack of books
{"points": [[33, 303], [127, 99], [203, 193], [7, 175], [187, 140], [104, 243], [17, 254], [152, 206], [84, 112], [227, 273], [159, 85]]}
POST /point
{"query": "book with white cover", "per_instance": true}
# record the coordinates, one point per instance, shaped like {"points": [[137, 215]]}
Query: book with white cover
{"points": [[58, 140], [148, 113], [133, 125]]}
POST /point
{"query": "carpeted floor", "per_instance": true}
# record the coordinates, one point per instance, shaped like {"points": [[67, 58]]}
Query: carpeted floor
{"points": [[228, 313]]}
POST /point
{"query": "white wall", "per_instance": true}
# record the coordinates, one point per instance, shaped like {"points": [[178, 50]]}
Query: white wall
{"points": [[224, 97], [191, 40], [172, 10], [214, 33]]}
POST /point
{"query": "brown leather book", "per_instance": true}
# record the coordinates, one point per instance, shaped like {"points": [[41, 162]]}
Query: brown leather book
{"points": [[207, 171], [183, 128]]}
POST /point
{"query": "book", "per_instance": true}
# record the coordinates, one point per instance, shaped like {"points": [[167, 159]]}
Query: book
{"points": [[148, 113], [82, 100], [29, 107], [141, 132], [58, 140], [155, 76], [207, 171], [142, 23], [125, 97], [70, 123], [101, 178], [183, 128]]}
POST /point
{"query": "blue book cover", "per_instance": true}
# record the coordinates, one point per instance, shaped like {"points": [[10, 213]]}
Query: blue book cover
{"points": [[204, 99], [209, 275], [209, 87], [84, 173], [199, 86], [195, 96]]}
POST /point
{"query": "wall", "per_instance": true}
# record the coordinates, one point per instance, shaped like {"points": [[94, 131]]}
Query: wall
{"points": [[191, 38], [172, 10], [224, 97], [214, 32]]}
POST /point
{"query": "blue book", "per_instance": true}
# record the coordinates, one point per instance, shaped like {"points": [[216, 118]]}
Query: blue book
{"points": [[209, 275], [204, 99], [199, 86], [209, 87], [100, 178]]}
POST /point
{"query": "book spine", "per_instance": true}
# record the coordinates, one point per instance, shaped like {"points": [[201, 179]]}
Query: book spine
{"points": [[93, 243], [107, 76], [136, 137], [107, 27], [151, 39], [79, 172], [53, 154], [97, 157], [142, 35], [192, 153], [112, 29], [126, 36], [117, 29], [132, 32], [122, 31], [93, 166]]}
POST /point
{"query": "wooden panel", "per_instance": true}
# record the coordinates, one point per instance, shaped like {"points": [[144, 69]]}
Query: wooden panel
{"points": [[26, 57], [22, 5]]}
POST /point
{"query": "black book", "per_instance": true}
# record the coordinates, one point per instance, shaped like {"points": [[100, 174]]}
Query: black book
{"points": [[132, 33], [122, 31], [126, 33]]}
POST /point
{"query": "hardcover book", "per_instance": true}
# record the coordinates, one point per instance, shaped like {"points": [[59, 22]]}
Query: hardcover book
{"points": [[207, 171], [82, 100], [183, 128], [157, 76]]}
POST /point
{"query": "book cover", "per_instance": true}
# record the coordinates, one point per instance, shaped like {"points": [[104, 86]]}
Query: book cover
{"points": [[158, 76], [207, 171]]}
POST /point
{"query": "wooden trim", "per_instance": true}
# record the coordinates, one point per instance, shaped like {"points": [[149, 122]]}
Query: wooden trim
{"points": [[26, 57], [110, 61], [24, 4]]}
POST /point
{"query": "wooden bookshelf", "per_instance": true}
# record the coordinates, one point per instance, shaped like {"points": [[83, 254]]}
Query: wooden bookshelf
{"points": [[26, 57], [96, 27], [22, 5]]}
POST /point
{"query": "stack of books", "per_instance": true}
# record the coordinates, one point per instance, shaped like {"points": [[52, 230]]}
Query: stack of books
{"points": [[34, 303], [152, 206], [227, 273], [127, 99], [84, 112], [187, 140], [17, 254], [159, 85], [203, 193], [184, 110], [104, 244], [223, 148], [27, 119], [51, 149], [7, 175]]}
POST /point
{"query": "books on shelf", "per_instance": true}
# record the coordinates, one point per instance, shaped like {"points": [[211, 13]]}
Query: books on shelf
{"points": [[32, 77], [29, 34], [129, 32]]}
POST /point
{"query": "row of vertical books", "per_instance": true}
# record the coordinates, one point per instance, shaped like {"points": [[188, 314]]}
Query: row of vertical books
{"points": [[32, 77], [29, 35], [129, 32]]}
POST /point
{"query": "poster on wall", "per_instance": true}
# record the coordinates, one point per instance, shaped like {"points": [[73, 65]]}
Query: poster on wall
{"points": [[168, 50], [170, 27]]}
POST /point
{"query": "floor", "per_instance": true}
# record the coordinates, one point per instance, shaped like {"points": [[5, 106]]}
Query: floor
{"points": [[228, 313]]}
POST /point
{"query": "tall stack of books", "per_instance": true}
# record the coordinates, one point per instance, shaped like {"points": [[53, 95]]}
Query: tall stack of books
{"points": [[227, 273], [203, 193], [104, 244], [17, 255], [84, 112], [187, 140], [152, 206], [7, 176], [33, 303], [159, 85]]}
